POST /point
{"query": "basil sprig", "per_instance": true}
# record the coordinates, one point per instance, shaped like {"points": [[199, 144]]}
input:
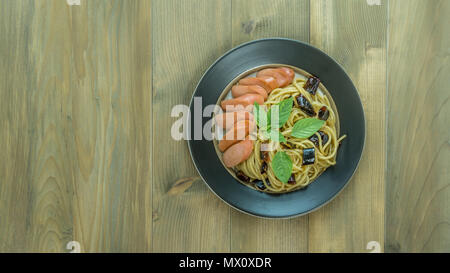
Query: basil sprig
{"points": [[282, 166], [279, 113], [306, 127], [275, 118], [274, 135], [261, 116], [282, 163]]}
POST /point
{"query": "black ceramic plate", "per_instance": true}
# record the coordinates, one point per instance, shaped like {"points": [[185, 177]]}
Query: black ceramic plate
{"points": [[351, 118]]}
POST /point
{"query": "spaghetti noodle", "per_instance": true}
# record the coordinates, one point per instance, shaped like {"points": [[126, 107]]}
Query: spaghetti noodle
{"points": [[325, 143]]}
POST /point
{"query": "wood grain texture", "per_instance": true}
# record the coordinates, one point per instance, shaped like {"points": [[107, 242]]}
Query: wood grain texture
{"points": [[188, 37], [36, 188], [256, 19], [354, 33], [418, 180], [252, 20], [75, 87], [86, 94]]}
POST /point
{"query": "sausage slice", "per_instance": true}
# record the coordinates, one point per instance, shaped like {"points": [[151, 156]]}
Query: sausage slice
{"points": [[240, 90], [242, 102], [282, 78], [238, 153], [289, 72], [226, 120], [266, 82], [238, 132]]}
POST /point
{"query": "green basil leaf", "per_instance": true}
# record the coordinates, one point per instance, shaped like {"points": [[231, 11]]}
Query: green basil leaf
{"points": [[283, 110], [260, 116], [276, 136], [305, 128], [282, 166]]}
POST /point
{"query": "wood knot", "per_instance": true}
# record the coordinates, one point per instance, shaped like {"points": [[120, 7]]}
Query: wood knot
{"points": [[248, 26], [181, 185]]}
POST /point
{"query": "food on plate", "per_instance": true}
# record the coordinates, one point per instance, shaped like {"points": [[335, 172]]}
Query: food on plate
{"points": [[289, 72], [283, 79], [266, 82], [240, 90], [238, 132], [238, 152], [242, 102], [296, 138], [226, 120]]}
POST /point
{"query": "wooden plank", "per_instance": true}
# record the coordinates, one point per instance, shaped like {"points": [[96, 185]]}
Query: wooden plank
{"points": [[418, 177], [188, 37], [256, 19], [253, 20], [35, 188], [354, 33], [111, 116], [76, 96]]}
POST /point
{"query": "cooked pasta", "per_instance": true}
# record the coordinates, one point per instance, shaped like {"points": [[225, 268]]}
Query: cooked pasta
{"points": [[325, 143]]}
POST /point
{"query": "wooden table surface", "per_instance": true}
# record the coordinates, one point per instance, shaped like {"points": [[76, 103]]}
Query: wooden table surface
{"points": [[86, 94]]}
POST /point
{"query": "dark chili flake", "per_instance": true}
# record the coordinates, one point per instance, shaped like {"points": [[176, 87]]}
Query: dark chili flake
{"points": [[259, 184], [291, 180], [264, 156], [308, 156], [324, 137], [305, 105], [323, 113], [242, 176], [314, 139], [263, 167], [311, 85]]}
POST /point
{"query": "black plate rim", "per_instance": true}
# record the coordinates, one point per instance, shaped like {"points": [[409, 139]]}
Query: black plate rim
{"points": [[324, 203]]}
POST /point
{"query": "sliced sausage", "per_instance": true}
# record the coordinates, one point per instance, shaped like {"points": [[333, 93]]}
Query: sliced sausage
{"points": [[289, 72], [266, 82], [242, 102], [226, 120], [282, 79], [238, 132], [238, 153], [239, 90]]}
